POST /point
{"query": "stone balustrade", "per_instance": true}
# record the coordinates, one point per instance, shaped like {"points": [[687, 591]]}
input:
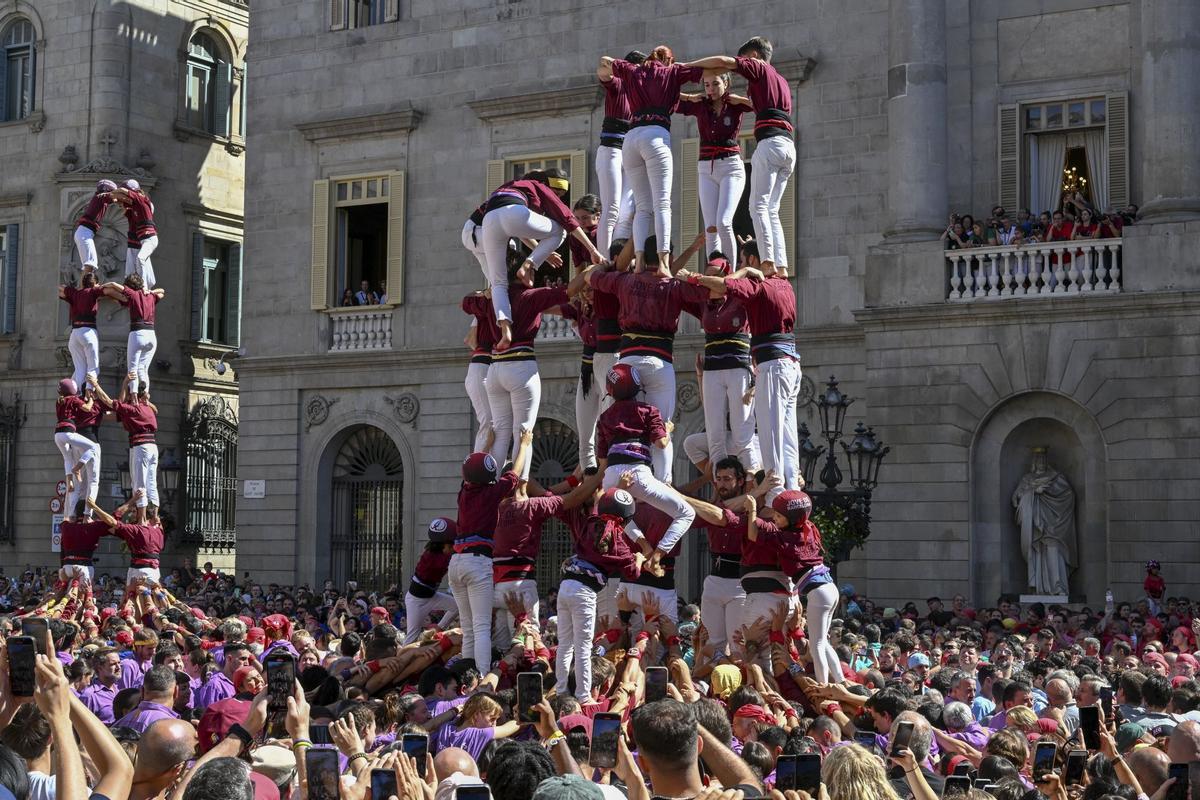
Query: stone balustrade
{"points": [[361, 329], [555, 328], [1085, 266]]}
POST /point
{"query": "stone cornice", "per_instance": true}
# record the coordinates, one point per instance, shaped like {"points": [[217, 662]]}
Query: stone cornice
{"points": [[576, 99], [200, 211], [794, 66], [16, 200], [401, 120]]}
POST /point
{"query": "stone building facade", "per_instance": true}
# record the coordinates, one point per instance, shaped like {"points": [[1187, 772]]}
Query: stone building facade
{"points": [[152, 90], [379, 124]]}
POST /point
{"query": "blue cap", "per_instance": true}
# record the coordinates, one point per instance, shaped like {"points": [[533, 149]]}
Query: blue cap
{"points": [[848, 588], [918, 660]]}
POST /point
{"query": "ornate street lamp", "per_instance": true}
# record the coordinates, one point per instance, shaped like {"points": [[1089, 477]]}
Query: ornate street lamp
{"points": [[168, 476], [126, 481]]}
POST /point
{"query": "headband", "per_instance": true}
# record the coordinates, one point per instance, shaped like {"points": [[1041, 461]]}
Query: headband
{"points": [[755, 712], [561, 184]]}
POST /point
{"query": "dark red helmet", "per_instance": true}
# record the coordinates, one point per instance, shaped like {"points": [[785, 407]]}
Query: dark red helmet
{"points": [[623, 382], [442, 529], [67, 387], [795, 505], [480, 468], [616, 503]]}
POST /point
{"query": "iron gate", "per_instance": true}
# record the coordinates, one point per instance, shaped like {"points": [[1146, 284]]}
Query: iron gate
{"points": [[367, 534]]}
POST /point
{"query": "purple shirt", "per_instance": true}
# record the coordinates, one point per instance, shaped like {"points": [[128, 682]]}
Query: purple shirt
{"points": [[145, 715], [1000, 721], [98, 699], [132, 673], [217, 688], [473, 740], [974, 735], [280, 644]]}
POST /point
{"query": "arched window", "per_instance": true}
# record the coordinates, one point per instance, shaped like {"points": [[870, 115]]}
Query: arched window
{"points": [[555, 456], [366, 539], [210, 475], [207, 93], [17, 69]]}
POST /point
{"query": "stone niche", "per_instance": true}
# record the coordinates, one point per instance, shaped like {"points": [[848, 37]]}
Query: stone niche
{"points": [[1000, 455]]}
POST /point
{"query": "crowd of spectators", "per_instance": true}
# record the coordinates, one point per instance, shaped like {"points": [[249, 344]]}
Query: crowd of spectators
{"points": [[1075, 219], [176, 705]]}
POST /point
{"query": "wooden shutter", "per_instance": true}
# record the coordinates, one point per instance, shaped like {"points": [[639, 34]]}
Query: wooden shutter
{"points": [[320, 246], [495, 175], [395, 245], [337, 15], [391, 10], [221, 99], [11, 264], [1117, 135], [579, 175], [689, 197], [233, 297], [1008, 174], [199, 286]]}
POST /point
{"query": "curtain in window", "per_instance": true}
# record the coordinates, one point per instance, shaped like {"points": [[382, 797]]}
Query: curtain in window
{"points": [[1097, 161], [1047, 154]]}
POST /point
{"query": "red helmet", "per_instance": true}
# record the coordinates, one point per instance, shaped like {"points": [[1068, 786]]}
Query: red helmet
{"points": [[442, 529], [67, 387], [617, 503], [623, 382], [480, 468], [795, 505]]}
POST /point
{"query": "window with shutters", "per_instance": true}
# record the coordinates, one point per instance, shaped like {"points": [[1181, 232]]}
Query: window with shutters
{"points": [[216, 290], [17, 73], [9, 263], [345, 14], [208, 77], [358, 235]]}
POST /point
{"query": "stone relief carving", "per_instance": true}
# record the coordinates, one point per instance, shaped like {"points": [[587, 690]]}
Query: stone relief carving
{"points": [[406, 407], [316, 411]]}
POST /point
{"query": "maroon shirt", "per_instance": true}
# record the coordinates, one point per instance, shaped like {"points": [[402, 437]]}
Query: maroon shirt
{"points": [[771, 548], [647, 302], [140, 215], [486, 331], [432, 567], [541, 198], [726, 538], [616, 102], [768, 90], [770, 304], [80, 539], [580, 256], [67, 408], [585, 323], [797, 549], [478, 506], [628, 421], [83, 304], [653, 524], [139, 420], [141, 305], [519, 528], [94, 210], [718, 131], [606, 308], [725, 315], [145, 543], [653, 88], [605, 548], [90, 417]]}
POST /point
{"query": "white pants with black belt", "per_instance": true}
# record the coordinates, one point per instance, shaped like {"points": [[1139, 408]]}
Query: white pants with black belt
{"points": [[720, 185], [648, 489], [85, 244], [576, 628], [775, 396], [137, 261], [649, 170], [139, 355], [76, 449], [720, 605], [472, 239], [658, 382], [417, 611], [508, 222], [724, 394], [476, 386], [84, 346], [470, 578], [616, 198], [514, 391], [696, 447], [772, 165], [143, 469]]}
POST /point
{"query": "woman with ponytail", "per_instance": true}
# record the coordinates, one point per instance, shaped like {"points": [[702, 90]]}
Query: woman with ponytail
{"points": [[616, 196]]}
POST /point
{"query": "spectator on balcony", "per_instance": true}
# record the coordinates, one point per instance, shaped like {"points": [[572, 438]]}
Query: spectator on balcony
{"points": [[1026, 222], [1007, 232], [1060, 229], [1129, 214], [347, 298], [968, 224], [1086, 227], [1111, 225], [382, 293], [954, 237], [982, 235], [364, 296]]}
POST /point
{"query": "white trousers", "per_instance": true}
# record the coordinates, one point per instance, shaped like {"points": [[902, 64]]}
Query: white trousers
{"points": [[616, 198], [821, 604], [85, 244], [470, 578], [417, 611], [143, 573], [724, 390], [759, 604], [658, 381], [775, 409], [666, 599], [606, 600], [519, 222], [514, 391], [472, 239], [138, 261], [648, 489], [587, 412], [91, 479], [649, 171], [576, 627], [601, 364], [527, 590], [476, 385], [139, 355], [720, 186], [84, 345], [76, 448], [720, 603], [696, 448], [772, 165], [143, 469], [77, 572]]}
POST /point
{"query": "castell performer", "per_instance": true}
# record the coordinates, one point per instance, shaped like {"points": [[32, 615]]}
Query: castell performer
{"points": [[140, 418], [77, 451], [616, 196], [142, 239], [89, 222], [481, 339], [423, 597], [84, 345]]}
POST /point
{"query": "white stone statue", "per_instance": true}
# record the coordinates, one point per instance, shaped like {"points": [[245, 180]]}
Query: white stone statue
{"points": [[1045, 504]]}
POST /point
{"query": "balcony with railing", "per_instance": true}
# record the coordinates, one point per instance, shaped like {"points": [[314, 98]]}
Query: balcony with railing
{"points": [[555, 328], [1084, 266], [367, 328]]}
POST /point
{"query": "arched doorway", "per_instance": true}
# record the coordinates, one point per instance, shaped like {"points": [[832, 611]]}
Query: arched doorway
{"points": [[367, 505], [555, 456]]}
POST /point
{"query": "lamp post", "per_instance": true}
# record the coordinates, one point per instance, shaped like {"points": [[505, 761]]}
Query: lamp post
{"points": [[845, 511], [126, 481]]}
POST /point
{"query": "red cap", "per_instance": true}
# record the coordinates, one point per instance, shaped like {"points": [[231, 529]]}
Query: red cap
{"points": [[125, 638], [278, 623], [264, 787], [570, 722], [480, 469], [105, 613], [442, 529], [721, 264], [197, 613], [1187, 658], [218, 718], [623, 382], [247, 621], [793, 504], [381, 611], [240, 675], [255, 635], [1179, 680], [1154, 658]]}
